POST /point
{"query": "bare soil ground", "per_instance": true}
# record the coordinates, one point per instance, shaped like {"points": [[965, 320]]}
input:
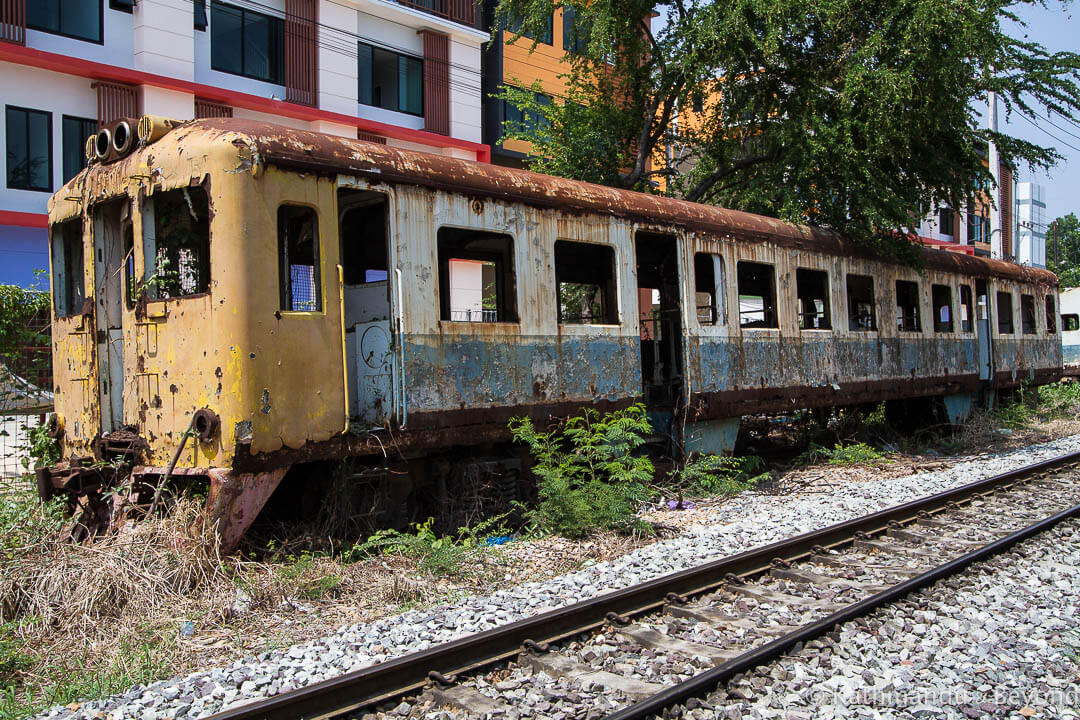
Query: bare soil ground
{"points": [[155, 600]]}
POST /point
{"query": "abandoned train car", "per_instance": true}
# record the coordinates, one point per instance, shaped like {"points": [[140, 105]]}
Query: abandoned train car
{"points": [[287, 296]]}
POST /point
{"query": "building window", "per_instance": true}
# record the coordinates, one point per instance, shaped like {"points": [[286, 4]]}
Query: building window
{"points": [[757, 296], [516, 120], [966, 309], [1070, 322], [907, 306], [29, 149], [946, 220], [79, 19], [1051, 315], [513, 26], [709, 284], [941, 300], [812, 288], [389, 80], [200, 14], [122, 5], [860, 301], [476, 276], [585, 283], [298, 256], [178, 252], [69, 279], [248, 43], [76, 131], [978, 228], [575, 35], [1027, 314], [1005, 313]]}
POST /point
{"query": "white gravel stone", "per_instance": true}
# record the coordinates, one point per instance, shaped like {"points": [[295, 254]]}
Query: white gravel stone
{"points": [[745, 522]]}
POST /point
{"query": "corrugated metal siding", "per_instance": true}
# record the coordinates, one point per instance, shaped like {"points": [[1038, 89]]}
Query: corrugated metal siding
{"points": [[116, 101], [13, 21], [436, 82], [211, 109], [300, 56]]}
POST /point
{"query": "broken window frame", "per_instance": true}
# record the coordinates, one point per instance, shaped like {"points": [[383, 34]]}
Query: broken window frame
{"points": [[857, 322], [938, 293], [1028, 322], [908, 307], [710, 281], [822, 318], [1051, 315], [288, 301], [505, 278], [1070, 322], [565, 269], [68, 267], [1005, 313], [770, 317], [169, 285], [967, 304]]}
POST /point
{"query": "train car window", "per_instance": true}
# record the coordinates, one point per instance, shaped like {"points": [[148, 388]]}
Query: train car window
{"points": [[178, 252], [1027, 314], [941, 298], [363, 244], [476, 276], [1051, 315], [585, 283], [69, 278], [966, 310], [862, 315], [298, 259], [907, 306], [1005, 313], [757, 296], [1070, 322], [709, 284], [812, 288]]}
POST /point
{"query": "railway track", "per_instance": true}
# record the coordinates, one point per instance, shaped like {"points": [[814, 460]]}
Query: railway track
{"points": [[636, 652]]}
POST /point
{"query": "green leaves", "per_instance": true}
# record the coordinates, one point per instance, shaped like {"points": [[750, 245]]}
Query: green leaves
{"points": [[1063, 250]]}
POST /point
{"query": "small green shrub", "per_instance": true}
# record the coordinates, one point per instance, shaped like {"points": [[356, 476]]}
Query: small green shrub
{"points": [[839, 454], [437, 555], [1060, 399], [710, 474], [588, 477], [44, 450]]}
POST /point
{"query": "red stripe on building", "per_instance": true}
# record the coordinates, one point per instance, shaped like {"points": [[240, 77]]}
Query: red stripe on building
{"points": [[24, 219]]}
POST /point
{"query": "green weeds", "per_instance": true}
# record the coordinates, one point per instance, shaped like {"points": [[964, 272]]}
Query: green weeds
{"points": [[434, 554], [851, 454], [722, 475]]}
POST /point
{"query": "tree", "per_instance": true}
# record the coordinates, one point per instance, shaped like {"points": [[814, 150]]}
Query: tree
{"points": [[855, 115], [1063, 249]]}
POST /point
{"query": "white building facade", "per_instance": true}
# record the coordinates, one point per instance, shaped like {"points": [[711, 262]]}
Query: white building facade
{"points": [[1032, 223], [402, 73]]}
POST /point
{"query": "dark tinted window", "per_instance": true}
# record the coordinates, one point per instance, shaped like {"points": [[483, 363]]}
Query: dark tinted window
{"points": [[248, 43], [390, 80], [79, 19], [76, 131], [29, 149], [1051, 315], [517, 120], [1070, 322], [546, 36], [1005, 312], [1027, 314], [575, 34], [298, 254]]}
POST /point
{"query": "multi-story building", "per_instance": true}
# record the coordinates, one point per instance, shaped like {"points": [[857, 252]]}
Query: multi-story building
{"points": [[968, 229], [1031, 224], [403, 73]]}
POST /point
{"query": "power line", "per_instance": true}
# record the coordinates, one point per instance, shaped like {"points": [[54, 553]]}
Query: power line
{"points": [[1047, 132], [1047, 119]]}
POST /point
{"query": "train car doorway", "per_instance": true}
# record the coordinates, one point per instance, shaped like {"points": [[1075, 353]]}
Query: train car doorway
{"points": [[373, 368], [113, 238], [660, 320], [982, 331]]}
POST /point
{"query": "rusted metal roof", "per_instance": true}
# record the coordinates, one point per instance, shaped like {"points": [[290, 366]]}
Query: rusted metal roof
{"points": [[317, 152]]}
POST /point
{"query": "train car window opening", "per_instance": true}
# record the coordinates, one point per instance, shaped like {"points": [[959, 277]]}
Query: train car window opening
{"points": [[69, 276], [965, 309], [1005, 313], [176, 244], [585, 283], [1051, 315], [907, 306], [941, 299], [812, 288], [1027, 314], [709, 284], [1070, 322], [862, 315], [298, 257], [364, 253], [476, 276], [757, 295], [130, 281]]}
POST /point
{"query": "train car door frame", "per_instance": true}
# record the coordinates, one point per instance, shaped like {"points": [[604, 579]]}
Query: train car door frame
{"points": [[657, 260], [983, 341], [111, 220]]}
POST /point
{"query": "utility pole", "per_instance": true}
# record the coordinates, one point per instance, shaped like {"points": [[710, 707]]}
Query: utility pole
{"points": [[995, 172]]}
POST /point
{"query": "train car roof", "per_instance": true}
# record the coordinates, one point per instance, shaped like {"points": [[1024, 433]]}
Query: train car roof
{"points": [[320, 153]]}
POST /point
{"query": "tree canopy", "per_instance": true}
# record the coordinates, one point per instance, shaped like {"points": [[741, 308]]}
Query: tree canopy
{"points": [[856, 115], [1063, 250]]}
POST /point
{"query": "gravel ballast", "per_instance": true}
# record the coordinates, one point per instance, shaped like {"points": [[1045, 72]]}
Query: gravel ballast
{"points": [[745, 522]]}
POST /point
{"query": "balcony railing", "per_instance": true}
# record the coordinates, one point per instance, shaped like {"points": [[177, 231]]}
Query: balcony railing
{"points": [[461, 11], [13, 21]]}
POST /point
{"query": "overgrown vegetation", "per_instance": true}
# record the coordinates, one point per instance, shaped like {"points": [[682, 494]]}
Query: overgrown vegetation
{"points": [[589, 476], [717, 475], [857, 453], [434, 554]]}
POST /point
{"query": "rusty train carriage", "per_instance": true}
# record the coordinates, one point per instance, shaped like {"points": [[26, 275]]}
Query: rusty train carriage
{"points": [[253, 216]]}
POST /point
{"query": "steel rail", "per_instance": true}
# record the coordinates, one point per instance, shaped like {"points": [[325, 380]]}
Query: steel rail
{"points": [[410, 673], [706, 682]]}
